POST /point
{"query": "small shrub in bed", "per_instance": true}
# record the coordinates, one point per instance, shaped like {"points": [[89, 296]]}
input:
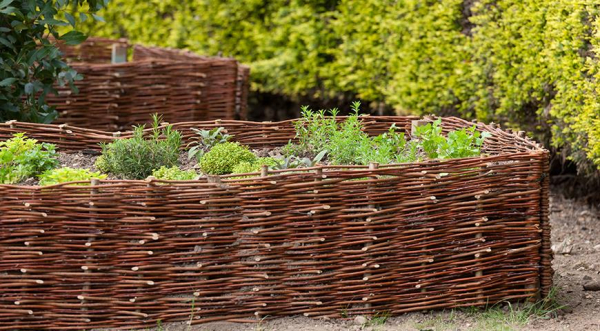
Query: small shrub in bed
{"points": [[21, 158], [66, 174], [207, 139], [137, 156], [223, 157], [174, 173]]}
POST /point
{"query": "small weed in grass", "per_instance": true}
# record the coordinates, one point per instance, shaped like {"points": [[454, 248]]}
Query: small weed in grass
{"points": [[508, 317], [379, 319], [440, 322]]}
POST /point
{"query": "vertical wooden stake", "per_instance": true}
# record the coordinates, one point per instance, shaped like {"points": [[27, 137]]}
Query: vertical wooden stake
{"points": [[479, 236], [372, 206], [119, 54], [86, 287], [415, 124]]}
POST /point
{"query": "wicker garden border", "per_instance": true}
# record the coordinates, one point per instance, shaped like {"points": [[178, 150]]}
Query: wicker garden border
{"points": [[324, 241], [181, 86]]}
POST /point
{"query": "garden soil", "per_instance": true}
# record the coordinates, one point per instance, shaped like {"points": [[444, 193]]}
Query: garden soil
{"points": [[576, 240]]}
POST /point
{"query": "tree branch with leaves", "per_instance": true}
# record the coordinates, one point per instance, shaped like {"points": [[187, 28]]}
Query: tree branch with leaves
{"points": [[30, 62]]}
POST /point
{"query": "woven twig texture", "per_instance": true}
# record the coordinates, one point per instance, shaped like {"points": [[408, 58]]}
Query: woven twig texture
{"points": [[326, 241], [180, 86]]}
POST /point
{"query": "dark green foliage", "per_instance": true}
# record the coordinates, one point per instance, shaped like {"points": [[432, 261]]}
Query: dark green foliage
{"points": [[29, 63], [222, 158], [527, 64], [138, 156], [21, 158]]}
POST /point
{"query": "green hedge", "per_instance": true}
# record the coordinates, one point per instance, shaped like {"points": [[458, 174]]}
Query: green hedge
{"points": [[524, 63]]}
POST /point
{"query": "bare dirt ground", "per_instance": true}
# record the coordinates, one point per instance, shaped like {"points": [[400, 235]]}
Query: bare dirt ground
{"points": [[576, 239]]}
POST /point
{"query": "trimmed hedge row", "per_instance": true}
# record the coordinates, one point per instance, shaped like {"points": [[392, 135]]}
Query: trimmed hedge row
{"points": [[527, 64]]}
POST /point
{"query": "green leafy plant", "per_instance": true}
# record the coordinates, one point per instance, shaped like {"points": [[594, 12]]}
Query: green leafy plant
{"points": [[384, 148], [291, 162], [344, 144], [21, 158], [245, 167], [138, 156], [30, 64], [458, 143], [431, 138], [207, 140], [174, 173], [66, 174], [223, 157]]}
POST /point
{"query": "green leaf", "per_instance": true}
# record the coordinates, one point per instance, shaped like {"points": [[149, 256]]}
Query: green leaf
{"points": [[98, 18], [5, 3], [82, 17], [73, 38], [53, 21], [7, 81], [8, 10], [70, 18]]}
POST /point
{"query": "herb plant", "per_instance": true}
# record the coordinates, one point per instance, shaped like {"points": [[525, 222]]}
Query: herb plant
{"points": [[345, 142], [21, 158], [174, 173], [138, 156], [207, 140], [459, 143], [223, 157], [66, 174], [245, 167]]}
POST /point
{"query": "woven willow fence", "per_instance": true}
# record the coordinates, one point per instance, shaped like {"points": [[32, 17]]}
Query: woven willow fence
{"points": [[322, 241], [181, 86]]}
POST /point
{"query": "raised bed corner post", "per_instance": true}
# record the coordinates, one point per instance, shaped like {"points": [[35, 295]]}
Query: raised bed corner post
{"points": [[546, 272], [479, 237], [413, 133], [86, 268], [373, 207]]}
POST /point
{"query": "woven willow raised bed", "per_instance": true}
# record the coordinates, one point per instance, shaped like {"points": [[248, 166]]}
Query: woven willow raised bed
{"points": [[326, 241], [181, 86]]}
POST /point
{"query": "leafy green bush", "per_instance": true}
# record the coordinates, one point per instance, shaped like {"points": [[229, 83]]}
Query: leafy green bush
{"points": [[137, 156], [527, 64], [66, 174], [223, 157], [207, 140], [174, 173], [29, 62], [21, 158]]}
